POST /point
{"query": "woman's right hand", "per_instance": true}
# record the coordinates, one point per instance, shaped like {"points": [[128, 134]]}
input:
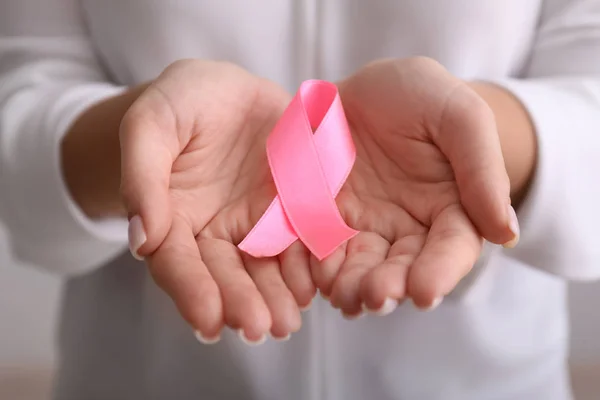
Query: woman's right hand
{"points": [[194, 181]]}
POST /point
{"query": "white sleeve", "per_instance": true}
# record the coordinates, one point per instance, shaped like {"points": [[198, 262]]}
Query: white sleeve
{"points": [[49, 74], [560, 218]]}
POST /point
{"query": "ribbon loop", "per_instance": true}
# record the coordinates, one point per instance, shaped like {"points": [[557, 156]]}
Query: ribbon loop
{"points": [[308, 170]]}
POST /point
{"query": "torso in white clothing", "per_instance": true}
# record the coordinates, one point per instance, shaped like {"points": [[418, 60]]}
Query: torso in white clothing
{"points": [[289, 41], [499, 337]]}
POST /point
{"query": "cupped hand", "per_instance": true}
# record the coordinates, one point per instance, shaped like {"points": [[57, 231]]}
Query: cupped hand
{"points": [[195, 179], [428, 185]]}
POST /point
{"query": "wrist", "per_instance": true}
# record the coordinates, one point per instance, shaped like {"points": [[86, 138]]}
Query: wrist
{"points": [[517, 136], [90, 156]]}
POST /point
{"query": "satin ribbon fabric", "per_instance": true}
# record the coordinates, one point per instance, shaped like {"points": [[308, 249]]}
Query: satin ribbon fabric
{"points": [[309, 170]]}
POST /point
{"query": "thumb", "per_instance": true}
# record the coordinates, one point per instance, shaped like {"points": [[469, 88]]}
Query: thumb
{"points": [[468, 136], [146, 163]]}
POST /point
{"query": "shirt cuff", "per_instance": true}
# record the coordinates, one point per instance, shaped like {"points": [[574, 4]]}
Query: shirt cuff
{"points": [[52, 230], [556, 220]]}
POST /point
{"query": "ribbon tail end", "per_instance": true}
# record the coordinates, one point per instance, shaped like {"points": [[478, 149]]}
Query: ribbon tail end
{"points": [[257, 251], [323, 254]]}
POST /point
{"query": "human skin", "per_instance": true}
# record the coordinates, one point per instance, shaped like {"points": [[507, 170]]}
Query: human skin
{"points": [[180, 148]]}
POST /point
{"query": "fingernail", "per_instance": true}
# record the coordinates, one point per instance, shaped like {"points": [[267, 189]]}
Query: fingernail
{"points": [[137, 236], [435, 304], [249, 342], [513, 225], [306, 307], [282, 339], [352, 317], [205, 340], [388, 307]]}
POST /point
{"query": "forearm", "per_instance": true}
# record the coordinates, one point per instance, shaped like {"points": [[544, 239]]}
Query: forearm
{"points": [[517, 137], [91, 156]]}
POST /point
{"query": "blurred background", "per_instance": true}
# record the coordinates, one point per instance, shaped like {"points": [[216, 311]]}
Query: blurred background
{"points": [[29, 303]]}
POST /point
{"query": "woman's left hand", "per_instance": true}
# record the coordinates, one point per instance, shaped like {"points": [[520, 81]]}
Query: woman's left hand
{"points": [[428, 185]]}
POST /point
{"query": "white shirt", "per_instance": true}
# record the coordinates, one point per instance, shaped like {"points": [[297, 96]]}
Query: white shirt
{"points": [[500, 336]]}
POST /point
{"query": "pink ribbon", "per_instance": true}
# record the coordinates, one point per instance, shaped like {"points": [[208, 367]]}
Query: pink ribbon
{"points": [[309, 171]]}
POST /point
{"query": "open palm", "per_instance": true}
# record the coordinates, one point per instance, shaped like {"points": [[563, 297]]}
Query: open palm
{"points": [[428, 183], [194, 171]]}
